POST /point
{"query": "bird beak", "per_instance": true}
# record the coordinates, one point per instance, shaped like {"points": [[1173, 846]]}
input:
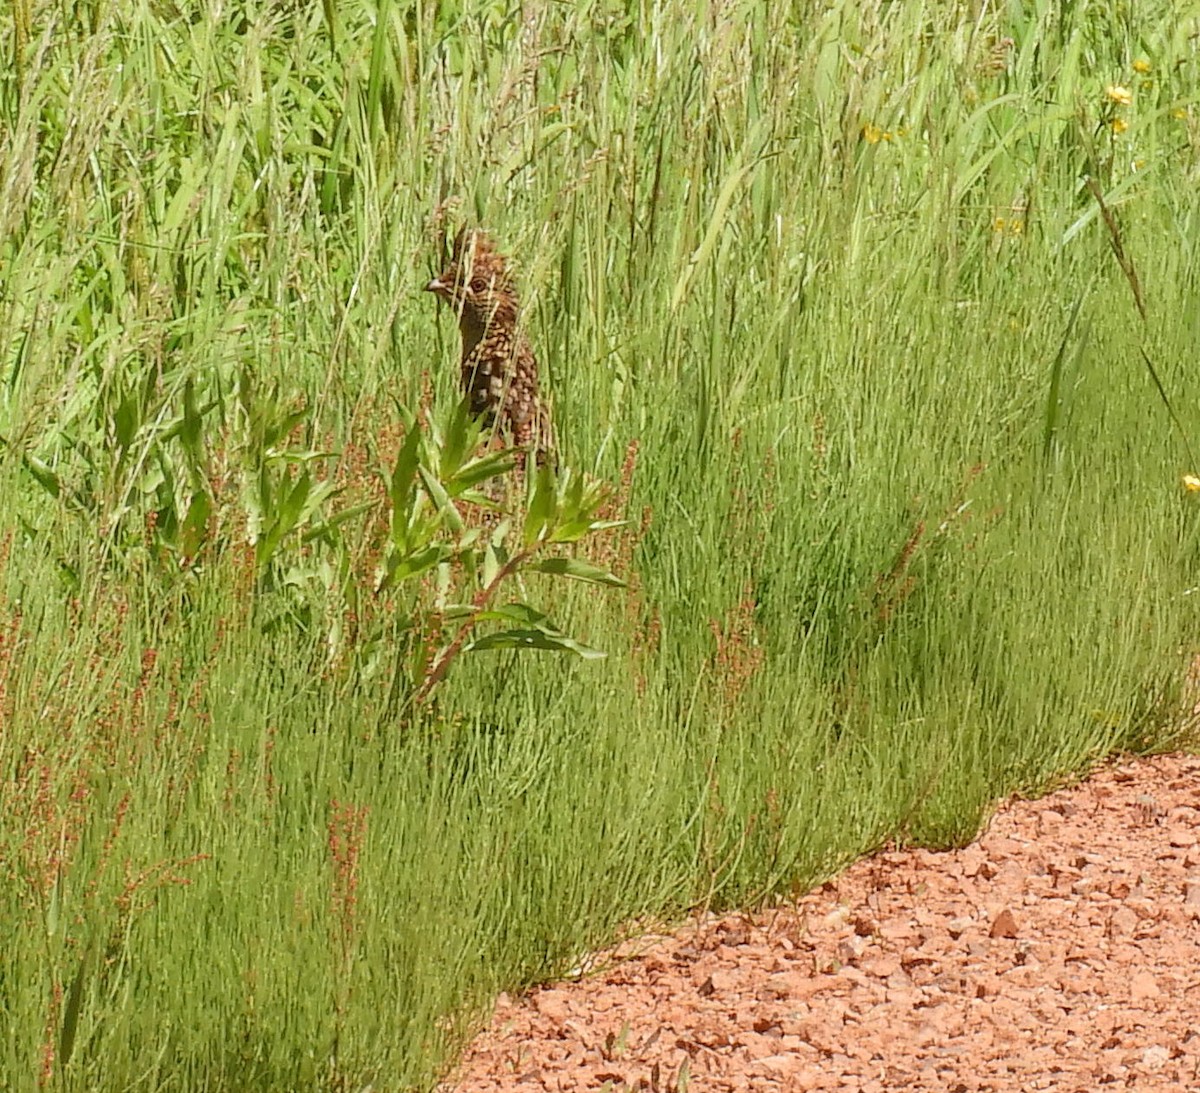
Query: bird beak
{"points": [[436, 285]]}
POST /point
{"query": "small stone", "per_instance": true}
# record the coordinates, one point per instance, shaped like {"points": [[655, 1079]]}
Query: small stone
{"points": [[724, 982], [848, 951], [865, 927], [1156, 1057], [1143, 987], [882, 967], [837, 918], [973, 859], [1004, 925], [956, 927], [1012, 873], [755, 1045], [1123, 922], [554, 1005], [780, 1066], [799, 985]]}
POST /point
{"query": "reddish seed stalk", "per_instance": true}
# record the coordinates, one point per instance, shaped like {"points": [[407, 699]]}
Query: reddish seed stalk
{"points": [[347, 830]]}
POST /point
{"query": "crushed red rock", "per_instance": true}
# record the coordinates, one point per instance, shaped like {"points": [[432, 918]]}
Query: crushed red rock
{"points": [[1061, 951]]}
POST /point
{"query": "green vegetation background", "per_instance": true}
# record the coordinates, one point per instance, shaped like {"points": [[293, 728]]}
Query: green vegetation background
{"points": [[821, 289]]}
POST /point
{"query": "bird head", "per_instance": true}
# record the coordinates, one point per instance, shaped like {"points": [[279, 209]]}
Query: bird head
{"points": [[476, 282]]}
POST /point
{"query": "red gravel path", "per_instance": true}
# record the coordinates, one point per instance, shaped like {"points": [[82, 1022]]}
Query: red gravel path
{"points": [[1059, 952]]}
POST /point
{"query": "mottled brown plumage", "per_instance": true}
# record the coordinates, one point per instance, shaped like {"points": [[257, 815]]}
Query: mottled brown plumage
{"points": [[499, 372]]}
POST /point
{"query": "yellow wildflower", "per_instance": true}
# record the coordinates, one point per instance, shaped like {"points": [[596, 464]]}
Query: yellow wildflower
{"points": [[1013, 226], [1179, 113], [872, 134], [1119, 125], [1141, 66], [1122, 96], [1191, 483]]}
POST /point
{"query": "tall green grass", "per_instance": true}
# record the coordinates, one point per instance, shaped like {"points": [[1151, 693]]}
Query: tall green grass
{"points": [[906, 530]]}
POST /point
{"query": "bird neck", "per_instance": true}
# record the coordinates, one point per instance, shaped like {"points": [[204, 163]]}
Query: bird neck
{"points": [[474, 327]]}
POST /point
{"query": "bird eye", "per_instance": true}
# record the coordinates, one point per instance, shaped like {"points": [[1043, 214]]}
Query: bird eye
{"points": [[478, 284]]}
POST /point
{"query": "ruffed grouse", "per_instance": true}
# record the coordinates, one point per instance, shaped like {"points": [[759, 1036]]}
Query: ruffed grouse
{"points": [[499, 371]]}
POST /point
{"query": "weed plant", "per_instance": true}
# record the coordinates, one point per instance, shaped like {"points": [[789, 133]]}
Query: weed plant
{"points": [[870, 332]]}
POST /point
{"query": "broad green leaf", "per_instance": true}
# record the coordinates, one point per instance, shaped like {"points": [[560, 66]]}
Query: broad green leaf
{"points": [[290, 511], [402, 568], [571, 495], [190, 428], [351, 513], [126, 420], [290, 455], [574, 530], [441, 500], [533, 639], [491, 564], [577, 570], [181, 201], [400, 489], [542, 507], [479, 500], [45, 477], [492, 465], [293, 505], [74, 1003], [461, 435], [155, 476], [520, 613], [256, 502], [195, 524], [469, 539]]}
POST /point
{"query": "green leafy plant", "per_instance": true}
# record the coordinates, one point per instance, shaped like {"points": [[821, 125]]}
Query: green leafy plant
{"points": [[480, 548], [464, 528]]}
